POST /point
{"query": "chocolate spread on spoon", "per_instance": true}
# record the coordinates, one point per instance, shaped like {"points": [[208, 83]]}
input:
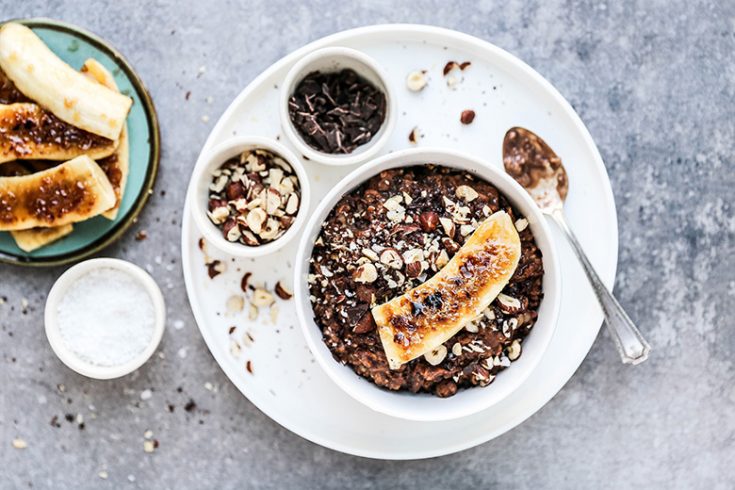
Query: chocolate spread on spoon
{"points": [[532, 163]]}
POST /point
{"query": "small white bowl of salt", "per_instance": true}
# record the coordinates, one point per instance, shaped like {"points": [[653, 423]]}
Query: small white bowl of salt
{"points": [[104, 317]]}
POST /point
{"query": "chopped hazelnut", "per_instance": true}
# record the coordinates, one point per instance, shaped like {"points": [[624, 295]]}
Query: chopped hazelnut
{"points": [[366, 273], [436, 356]]}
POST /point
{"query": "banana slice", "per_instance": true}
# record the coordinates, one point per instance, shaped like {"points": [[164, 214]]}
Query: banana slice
{"points": [[428, 315], [43, 77], [29, 132], [35, 238], [73, 191], [116, 165]]}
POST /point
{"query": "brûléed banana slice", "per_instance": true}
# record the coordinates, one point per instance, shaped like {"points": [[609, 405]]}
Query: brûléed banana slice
{"points": [[116, 165], [28, 132], [43, 77], [428, 315], [72, 191], [35, 238]]}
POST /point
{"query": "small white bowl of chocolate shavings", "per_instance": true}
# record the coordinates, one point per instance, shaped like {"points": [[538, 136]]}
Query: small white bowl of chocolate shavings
{"points": [[337, 107]]}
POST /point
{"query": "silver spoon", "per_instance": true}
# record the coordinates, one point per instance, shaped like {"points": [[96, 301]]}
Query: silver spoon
{"points": [[534, 165]]}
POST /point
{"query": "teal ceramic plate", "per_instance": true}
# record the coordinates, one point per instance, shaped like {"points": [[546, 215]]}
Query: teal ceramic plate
{"points": [[74, 46]]}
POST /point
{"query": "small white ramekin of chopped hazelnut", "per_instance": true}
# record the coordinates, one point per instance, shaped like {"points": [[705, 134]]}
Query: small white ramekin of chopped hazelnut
{"points": [[251, 196]]}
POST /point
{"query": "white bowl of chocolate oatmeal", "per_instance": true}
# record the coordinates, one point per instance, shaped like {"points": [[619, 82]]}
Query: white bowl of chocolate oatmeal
{"points": [[251, 196], [389, 227], [337, 107]]}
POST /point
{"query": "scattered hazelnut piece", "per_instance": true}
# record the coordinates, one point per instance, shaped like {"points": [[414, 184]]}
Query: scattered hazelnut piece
{"points": [[457, 349], [283, 291], [466, 193], [450, 245], [244, 281], [391, 258], [148, 446], [252, 312], [472, 327], [514, 350], [414, 135], [416, 81], [261, 297], [465, 230], [508, 304], [370, 254], [366, 273], [521, 224], [451, 65], [215, 268], [436, 356], [442, 259], [448, 226], [19, 443], [235, 304], [467, 116]]}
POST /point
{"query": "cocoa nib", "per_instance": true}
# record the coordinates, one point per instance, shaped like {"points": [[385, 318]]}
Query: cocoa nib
{"points": [[467, 116], [336, 112]]}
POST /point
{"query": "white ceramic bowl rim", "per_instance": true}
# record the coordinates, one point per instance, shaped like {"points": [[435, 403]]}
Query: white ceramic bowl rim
{"points": [[425, 407], [66, 355], [201, 177], [365, 66]]}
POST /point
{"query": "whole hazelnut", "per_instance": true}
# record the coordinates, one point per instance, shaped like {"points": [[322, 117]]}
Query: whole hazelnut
{"points": [[365, 324], [428, 220], [467, 116], [235, 190], [414, 269]]}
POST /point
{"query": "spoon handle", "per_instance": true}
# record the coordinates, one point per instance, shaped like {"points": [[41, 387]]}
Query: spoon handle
{"points": [[631, 345]]}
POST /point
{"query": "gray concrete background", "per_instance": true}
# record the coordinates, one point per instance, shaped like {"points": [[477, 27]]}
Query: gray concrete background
{"points": [[653, 81]]}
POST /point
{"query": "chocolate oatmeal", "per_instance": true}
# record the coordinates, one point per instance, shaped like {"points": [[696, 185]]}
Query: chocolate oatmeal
{"points": [[393, 233]]}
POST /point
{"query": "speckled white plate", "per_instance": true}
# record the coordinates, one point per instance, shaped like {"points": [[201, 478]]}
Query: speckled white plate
{"points": [[286, 383]]}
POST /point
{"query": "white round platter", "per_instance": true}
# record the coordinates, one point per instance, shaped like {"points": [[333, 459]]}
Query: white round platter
{"points": [[286, 384]]}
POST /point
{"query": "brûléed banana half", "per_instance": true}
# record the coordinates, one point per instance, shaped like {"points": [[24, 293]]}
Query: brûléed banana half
{"points": [[28, 132], [47, 80], [428, 315], [67, 193], [33, 238]]}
